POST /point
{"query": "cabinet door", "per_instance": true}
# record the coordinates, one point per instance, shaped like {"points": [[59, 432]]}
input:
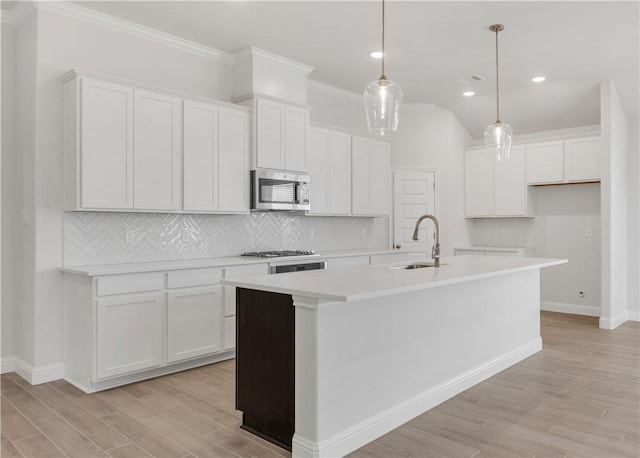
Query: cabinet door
{"points": [[193, 322], [156, 159], [479, 183], [200, 156], [269, 134], [229, 333], [319, 142], [295, 138], [379, 181], [582, 159], [129, 334], [233, 152], [360, 175], [339, 185], [510, 186], [106, 145], [545, 162]]}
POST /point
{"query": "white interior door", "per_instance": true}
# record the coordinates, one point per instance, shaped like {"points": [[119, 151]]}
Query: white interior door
{"points": [[413, 196]]}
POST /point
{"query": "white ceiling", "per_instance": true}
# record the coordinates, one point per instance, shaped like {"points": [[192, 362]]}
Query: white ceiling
{"points": [[431, 45]]}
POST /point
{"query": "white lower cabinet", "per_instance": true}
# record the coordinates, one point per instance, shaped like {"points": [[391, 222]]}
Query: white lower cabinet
{"points": [[127, 327], [129, 334], [193, 322]]}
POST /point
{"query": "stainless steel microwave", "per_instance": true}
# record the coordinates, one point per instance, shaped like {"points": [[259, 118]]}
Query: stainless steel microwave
{"points": [[274, 190]]}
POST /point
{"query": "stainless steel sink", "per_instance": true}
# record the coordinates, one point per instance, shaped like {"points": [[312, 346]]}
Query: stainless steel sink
{"points": [[414, 265]]}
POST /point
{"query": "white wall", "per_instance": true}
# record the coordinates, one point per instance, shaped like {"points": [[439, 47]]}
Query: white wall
{"points": [[634, 220], [62, 43], [614, 198], [10, 192], [432, 137], [563, 214], [337, 108]]}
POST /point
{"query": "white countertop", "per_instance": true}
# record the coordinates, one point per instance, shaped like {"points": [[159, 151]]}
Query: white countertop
{"points": [[494, 248], [157, 266], [348, 284]]}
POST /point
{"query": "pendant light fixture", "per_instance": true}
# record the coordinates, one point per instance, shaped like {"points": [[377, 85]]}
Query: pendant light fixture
{"points": [[382, 99], [497, 137]]}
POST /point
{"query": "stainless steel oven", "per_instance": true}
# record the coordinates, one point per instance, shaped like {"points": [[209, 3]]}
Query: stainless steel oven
{"points": [[274, 190]]}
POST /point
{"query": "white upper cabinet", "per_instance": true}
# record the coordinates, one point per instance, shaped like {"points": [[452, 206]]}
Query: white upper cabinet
{"points": [[370, 168], [156, 151], [496, 188], [131, 147], [582, 159], [564, 161], [330, 172], [102, 154], [340, 173], [319, 141], [280, 135], [545, 162], [479, 183], [510, 186], [233, 159], [216, 141]]}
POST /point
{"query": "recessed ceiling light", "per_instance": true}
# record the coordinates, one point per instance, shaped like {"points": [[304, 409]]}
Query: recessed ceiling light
{"points": [[538, 79], [468, 93], [376, 54]]}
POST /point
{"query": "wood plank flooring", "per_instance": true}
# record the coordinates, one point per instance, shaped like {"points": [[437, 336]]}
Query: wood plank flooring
{"points": [[580, 396]]}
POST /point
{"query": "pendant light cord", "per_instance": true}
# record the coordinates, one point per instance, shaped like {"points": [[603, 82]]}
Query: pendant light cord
{"points": [[497, 82], [383, 77]]}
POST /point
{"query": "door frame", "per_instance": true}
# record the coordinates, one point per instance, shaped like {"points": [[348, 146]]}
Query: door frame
{"points": [[436, 195]]}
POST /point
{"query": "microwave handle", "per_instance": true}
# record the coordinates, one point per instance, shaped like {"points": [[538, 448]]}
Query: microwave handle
{"points": [[296, 195]]}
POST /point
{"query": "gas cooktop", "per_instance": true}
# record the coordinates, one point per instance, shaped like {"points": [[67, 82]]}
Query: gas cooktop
{"points": [[280, 253]]}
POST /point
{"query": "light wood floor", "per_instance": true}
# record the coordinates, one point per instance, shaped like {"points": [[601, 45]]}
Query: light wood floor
{"points": [[578, 397]]}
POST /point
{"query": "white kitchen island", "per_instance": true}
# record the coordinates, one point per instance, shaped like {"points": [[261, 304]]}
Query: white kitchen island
{"points": [[376, 346]]}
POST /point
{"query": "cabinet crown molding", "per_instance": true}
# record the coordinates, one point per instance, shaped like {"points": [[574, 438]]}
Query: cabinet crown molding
{"points": [[335, 91], [78, 73]]}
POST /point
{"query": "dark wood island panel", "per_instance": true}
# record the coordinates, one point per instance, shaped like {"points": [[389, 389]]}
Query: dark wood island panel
{"points": [[265, 364]]}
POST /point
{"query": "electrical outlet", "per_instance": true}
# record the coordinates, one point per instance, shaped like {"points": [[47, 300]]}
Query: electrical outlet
{"points": [[26, 218], [588, 232], [312, 233], [184, 235], [505, 232], [129, 236]]}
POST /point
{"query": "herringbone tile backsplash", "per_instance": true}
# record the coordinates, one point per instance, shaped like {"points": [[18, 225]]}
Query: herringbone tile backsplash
{"points": [[92, 238], [503, 232]]}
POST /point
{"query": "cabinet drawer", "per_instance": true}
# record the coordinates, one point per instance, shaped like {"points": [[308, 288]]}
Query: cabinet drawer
{"points": [[129, 283], [194, 277]]}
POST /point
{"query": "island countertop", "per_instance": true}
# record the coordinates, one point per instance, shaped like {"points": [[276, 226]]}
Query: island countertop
{"points": [[348, 284]]}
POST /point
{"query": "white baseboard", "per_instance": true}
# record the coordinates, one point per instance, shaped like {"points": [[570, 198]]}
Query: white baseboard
{"points": [[573, 309], [355, 437], [33, 375], [614, 321]]}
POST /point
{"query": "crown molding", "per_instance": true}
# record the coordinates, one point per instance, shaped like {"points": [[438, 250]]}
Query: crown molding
{"points": [[260, 54], [18, 13], [335, 91], [137, 30]]}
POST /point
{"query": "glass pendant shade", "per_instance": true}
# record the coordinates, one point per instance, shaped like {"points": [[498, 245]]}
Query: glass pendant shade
{"points": [[382, 99], [497, 138]]}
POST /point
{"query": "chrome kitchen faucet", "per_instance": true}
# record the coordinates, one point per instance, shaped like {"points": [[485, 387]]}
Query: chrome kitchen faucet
{"points": [[435, 251]]}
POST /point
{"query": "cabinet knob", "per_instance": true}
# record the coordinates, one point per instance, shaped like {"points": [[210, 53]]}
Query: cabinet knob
{"points": [[397, 246]]}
